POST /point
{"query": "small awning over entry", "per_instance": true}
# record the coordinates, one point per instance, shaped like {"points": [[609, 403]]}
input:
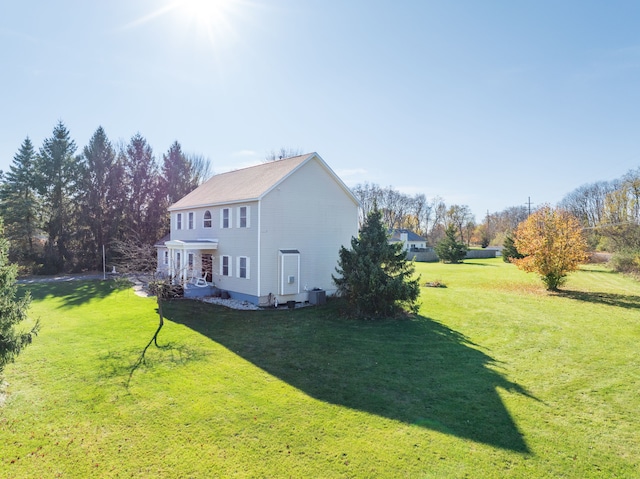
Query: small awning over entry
{"points": [[192, 244]]}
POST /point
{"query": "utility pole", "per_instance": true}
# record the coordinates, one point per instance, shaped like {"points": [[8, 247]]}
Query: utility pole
{"points": [[528, 203]]}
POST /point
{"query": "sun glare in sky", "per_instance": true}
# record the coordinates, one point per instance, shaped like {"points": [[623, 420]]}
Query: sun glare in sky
{"points": [[209, 19]]}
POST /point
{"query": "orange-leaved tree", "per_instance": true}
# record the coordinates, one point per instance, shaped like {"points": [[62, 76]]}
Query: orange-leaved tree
{"points": [[552, 243]]}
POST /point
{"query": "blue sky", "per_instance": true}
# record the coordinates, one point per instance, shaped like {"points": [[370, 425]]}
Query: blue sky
{"points": [[484, 103]]}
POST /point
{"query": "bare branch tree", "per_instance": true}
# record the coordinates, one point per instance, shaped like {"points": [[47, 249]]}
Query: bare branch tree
{"points": [[282, 153], [137, 260]]}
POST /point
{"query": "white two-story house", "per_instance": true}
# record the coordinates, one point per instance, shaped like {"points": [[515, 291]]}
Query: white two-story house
{"points": [[264, 233]]}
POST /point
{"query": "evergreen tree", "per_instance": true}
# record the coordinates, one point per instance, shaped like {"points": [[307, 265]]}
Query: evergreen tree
{"points": [[509, 250], [100, 197], [145, 208], [13, 310], [181, 174], [449, 249], [177, 179], [57, 181], [20, 204], [375, 276]]}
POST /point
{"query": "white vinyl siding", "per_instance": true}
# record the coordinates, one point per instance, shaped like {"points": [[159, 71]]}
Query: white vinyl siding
{"points": [[243, 267], [326, 218]]}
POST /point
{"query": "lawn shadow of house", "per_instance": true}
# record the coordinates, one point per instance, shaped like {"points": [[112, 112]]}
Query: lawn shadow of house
{"points": [[626, 301], [71, 292], [416, 371]]}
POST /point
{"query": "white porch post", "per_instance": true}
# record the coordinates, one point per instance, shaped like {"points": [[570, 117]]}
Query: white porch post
{"points": [[172, 260]]}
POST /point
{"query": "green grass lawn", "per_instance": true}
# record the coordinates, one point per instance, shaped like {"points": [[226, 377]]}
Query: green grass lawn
{"points": [[495, 378]]}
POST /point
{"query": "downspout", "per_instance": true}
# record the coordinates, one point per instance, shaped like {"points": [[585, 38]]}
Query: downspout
{"points": [[259, 246]]}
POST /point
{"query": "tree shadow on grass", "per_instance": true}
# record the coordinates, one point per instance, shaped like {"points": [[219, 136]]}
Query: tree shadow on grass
{"points": [[416, 371], [628, 301], [72, 293], [471, 262]]}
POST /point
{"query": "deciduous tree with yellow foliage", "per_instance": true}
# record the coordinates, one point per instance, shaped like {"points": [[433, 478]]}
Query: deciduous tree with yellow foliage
{"points": [[552, 243]]}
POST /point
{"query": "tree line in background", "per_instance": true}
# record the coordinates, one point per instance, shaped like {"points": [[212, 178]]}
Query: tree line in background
{"points": [[60, 205], [609, 210], [432, 219]]}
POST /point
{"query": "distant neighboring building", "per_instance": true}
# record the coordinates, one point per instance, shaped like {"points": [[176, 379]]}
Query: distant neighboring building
{"points": [[264, 233], [411, 240]]}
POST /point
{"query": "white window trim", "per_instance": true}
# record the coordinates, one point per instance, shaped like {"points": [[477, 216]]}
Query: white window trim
{"points": [[191, 220], [247, 209], [178, 221], [230, 264], [205, 219], [165, 259], [191, 258], [222, 218], [248, 271]]}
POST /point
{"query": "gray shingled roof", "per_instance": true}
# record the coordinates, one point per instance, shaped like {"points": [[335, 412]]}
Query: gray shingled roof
{"points": [[411, 236], [246, 184]]}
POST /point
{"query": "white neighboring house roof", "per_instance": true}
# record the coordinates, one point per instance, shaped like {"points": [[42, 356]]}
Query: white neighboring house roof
{"points": [[249, 184]]}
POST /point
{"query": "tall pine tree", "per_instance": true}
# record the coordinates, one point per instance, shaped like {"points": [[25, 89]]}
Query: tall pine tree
{"points": [[375, 276], [100, 197], [181, 174], [145, 208], [57, 182], [177, 179], [20, 206]]}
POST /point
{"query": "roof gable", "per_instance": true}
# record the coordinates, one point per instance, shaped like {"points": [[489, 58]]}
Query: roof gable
{"points": [[248, 184], [411, 236]]}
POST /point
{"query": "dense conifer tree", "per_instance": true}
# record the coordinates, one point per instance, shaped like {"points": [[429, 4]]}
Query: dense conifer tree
{"points": [[144, 206], [100, 198], [13, 310], [375, 276], [20, 206], [57, 182], [449, 249]]}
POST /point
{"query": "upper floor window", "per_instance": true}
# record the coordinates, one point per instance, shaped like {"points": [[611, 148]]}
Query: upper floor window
{"points": [[225, 218], [191, 220], [207, 219], [179, 221], [243, 217]]}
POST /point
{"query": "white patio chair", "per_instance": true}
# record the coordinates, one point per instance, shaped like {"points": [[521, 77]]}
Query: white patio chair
{"points": [[198, 281]]}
